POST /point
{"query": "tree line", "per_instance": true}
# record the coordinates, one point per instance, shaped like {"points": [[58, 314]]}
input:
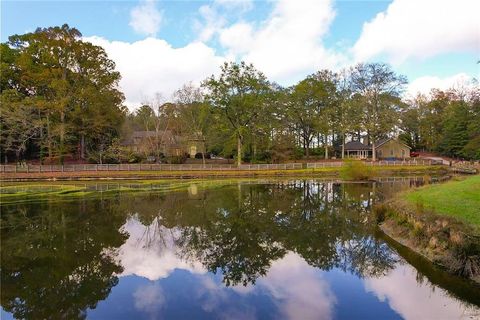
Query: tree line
{"points": [[60, 98]]}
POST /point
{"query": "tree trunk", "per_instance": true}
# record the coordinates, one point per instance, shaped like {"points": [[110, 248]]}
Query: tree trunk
{"points": [[41, 145], [49, 137], [326, 147], [343, 145], [82, 146], [374, 155], [307, 149], [62, 135], [239, 150], [254, 153], [203, 159]]}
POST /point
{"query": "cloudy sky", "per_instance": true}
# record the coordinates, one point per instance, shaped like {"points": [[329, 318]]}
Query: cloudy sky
{"points": [[160, 45]]}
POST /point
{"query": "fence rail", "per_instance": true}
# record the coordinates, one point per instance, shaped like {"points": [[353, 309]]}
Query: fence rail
{"points": [[193, 167]]}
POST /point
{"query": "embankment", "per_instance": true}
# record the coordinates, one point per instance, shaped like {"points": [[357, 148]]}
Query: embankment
{"points": [[440, 222]]}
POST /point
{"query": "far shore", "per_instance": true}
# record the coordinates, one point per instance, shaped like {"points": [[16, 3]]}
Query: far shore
{"points": [[381, 171]]}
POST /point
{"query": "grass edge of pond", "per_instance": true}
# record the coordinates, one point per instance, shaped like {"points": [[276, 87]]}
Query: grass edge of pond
{"points": [[445, 240]]}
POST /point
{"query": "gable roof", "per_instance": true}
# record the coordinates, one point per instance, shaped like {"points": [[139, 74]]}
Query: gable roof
{"points": [[356, 145], [383, 141]]}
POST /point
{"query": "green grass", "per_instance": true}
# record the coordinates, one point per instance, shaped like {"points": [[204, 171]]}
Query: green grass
{"points": [[459, 199]]}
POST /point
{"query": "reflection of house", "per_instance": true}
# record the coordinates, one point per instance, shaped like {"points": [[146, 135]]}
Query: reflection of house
{"points": [[386, 148], [164, 142]]}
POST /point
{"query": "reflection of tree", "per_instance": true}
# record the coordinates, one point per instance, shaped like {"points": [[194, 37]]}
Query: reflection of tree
{"points": [[240, 241], [242, 229], [58, 259], [366, 257]]}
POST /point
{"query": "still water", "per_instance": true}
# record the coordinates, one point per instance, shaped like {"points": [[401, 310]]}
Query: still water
{"points": [[293, 249]]}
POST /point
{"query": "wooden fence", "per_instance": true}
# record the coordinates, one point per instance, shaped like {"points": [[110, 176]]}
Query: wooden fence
{"points": [[194, 167], [318, 165]]}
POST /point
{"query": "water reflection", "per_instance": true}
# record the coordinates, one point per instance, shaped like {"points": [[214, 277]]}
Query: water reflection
{"points": [[290, 249]]}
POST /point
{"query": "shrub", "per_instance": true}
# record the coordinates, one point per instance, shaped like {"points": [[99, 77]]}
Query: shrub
{"points": [[355, 170], [176, 159], [380, 211]]}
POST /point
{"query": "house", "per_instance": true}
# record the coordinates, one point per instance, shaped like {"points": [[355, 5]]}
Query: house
{"points": [[356, 149], [163, 142], [392, 148], [385, 149]]}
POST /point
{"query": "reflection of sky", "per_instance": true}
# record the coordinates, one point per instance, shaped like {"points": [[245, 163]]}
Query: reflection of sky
{"points": [[157, 283], [150, 252], [415, 300], [4, 315]]}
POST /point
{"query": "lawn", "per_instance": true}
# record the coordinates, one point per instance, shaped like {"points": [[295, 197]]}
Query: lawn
{"points": [[458, 198]]}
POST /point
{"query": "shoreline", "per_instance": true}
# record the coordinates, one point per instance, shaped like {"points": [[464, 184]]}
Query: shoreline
{"points": [[379, 171]]}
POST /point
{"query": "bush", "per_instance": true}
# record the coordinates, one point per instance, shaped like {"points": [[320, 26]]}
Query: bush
{"points": [[355, 170], [380, 212], [198, 155], [176, 159]]}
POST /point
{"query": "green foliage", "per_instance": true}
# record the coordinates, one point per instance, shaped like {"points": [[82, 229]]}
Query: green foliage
{"points": [[59, 97], [237, 96], [460, 199], [355, 170], [65, 87], [446, 121]]}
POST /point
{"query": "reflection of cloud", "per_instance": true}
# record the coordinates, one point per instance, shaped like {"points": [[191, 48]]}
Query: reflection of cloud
{"points": [[408, 297], [149, 299], [293, 286], [150, 252], [298, 289], [214, 298]]}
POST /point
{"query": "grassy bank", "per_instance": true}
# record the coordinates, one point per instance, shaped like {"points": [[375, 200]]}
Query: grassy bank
{"points": [[440, 222], [200, 174], [459, 199]]}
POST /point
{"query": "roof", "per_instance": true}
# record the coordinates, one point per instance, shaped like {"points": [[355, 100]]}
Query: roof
{"points": [[144, 134], [383, 141], [165, 136], [356, 145]]}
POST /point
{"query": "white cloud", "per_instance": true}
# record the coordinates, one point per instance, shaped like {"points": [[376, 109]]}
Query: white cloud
{"points": [[152, 65], [414, 300], [212, 23], [150, 252], [424, 85], [238, 37], [288, 44], [150, 299], [421, 29], [298, 289], [240, 5], [145, 18]]}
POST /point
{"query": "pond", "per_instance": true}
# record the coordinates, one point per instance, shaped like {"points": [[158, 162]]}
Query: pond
{"points": [[282, 249]]}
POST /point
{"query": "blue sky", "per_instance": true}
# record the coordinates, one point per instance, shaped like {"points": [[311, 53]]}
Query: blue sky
{"points": [[158, 45]]}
